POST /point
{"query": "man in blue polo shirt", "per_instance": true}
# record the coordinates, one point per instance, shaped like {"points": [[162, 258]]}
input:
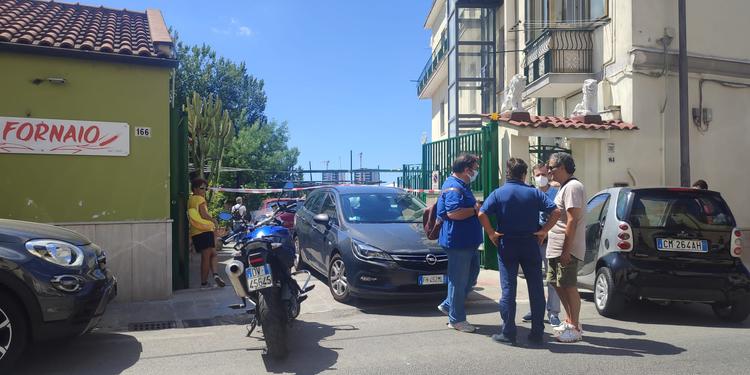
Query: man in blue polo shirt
{"points": [[460, 236], [516, 207]]}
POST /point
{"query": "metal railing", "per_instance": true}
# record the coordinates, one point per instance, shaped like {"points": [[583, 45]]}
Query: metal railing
{"points": [[559, 51], [432, 64]]}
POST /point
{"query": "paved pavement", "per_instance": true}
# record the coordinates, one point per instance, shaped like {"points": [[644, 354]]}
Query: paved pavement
{"points": [[393, 337]]}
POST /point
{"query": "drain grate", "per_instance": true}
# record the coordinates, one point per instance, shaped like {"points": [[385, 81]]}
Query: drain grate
{"points": [[195, 323], [152, 326]]}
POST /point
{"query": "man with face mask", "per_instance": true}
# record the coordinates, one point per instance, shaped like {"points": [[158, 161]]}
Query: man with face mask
{"points": [[460, 236], [541, 179]]}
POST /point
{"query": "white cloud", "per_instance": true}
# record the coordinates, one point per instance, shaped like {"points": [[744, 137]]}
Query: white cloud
{"points": [[244, 31], [219, 31]]}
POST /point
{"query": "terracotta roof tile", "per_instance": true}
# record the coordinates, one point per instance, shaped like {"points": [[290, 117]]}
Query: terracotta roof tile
{"points": [[569, 123], [86, 28]]}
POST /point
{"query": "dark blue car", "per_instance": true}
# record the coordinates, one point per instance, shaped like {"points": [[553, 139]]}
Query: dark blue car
{"points": [[369, 242]]}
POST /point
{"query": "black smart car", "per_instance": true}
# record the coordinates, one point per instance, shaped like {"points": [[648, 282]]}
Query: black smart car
{"points": [[53, 283], [369, 242], [665, 244]]}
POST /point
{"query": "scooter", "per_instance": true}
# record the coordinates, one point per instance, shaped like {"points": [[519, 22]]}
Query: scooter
{"points": [[261, 276]]}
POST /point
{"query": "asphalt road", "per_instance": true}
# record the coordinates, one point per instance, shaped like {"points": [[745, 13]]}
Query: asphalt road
{"points": [[411, 338]]}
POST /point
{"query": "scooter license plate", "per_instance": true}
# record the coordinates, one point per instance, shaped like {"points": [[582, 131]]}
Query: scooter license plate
{"points": [[258, 277]]}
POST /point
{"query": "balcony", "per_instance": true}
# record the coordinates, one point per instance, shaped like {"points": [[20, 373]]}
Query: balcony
{"points": [[434, 63], [558, 62]]}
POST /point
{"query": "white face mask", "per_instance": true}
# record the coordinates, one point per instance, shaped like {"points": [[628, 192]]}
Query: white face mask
{"points": [[541, 180], [474, 176]]}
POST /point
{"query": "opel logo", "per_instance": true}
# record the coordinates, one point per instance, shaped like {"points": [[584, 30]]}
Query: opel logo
{"points": [[431, 259]]}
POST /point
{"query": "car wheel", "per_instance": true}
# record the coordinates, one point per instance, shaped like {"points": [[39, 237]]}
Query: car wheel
{"points": [[607, 300], [337, 281], [736, 311], [14, 332], [299, 263]]}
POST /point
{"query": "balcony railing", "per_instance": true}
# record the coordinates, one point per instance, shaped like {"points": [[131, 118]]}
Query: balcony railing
{"points": [[432, 64], [559, 51]]}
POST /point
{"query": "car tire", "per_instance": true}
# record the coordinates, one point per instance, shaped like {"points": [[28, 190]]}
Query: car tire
{"points": [[14, 331], [736, 311], [299, 263], [337, 281], [607, 300]]}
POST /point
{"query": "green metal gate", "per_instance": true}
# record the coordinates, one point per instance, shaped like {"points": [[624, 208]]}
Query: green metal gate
{"points": [[438, 156]]}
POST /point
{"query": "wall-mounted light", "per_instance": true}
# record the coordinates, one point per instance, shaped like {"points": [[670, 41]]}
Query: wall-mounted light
{"points": [[702, 118], [52, 80]]}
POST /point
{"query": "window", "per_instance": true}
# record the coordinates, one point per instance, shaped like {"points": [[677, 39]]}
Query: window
{"points": [[543, 14], [329, 208], [314, 201], [382, 208], [594, 209], [622, 203], [667, 210]]}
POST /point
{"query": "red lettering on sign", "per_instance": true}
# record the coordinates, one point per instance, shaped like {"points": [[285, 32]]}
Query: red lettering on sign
{"points": [[93, 129], [80, 134], [26, 126], [9, 126], [71, 133], [57, 133], [41, 130]]}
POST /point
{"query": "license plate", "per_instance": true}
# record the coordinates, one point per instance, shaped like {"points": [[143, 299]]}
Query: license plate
{"points": [[692, 246], [431, 279], [258, 277]]}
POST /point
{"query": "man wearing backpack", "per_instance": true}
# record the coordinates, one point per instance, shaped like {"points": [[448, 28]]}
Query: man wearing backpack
{"points": [[460, 236]]}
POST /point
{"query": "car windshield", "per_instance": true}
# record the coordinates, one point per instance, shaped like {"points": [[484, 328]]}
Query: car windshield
{"points": [[669, 211], [382, 208]]}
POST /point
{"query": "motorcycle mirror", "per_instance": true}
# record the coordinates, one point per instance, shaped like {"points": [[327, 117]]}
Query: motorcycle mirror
{"points": [[322, 219], [224, 216]]}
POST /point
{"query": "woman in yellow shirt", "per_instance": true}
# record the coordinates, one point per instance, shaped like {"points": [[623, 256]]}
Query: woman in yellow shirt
{"points": [[202, 227]]}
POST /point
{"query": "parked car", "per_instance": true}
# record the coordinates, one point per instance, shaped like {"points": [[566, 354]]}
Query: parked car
{"points": [[369, 242], [53, 283], [665, 244], [267, 207]]}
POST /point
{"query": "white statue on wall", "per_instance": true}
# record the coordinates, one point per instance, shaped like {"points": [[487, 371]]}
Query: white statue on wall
{"points": [[587, 106], [512, 100]]}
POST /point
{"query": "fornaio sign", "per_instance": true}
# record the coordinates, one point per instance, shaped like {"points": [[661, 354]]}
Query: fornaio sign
{"points": [[19, 135]]}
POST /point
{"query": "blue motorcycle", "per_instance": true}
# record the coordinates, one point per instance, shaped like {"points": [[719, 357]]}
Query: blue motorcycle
{"points": [[261, 276]]}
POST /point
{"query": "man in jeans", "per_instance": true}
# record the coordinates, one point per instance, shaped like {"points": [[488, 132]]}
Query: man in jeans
{"points": [[460, 236], [566, 246], [516, 207], [542, 182]]}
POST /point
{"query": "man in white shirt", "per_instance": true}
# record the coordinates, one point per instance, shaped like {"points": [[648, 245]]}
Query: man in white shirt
{"points": [[239, 209], [566, 245]]}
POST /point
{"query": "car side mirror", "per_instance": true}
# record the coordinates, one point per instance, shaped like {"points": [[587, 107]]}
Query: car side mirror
{"points": [[322, 219]]}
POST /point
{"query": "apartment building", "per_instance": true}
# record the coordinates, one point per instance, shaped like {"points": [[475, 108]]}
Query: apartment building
{"points": [[629, 47]]}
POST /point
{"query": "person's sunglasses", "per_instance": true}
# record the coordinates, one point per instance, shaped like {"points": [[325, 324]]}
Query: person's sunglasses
{"points": [[202, 188], [550, 167]]}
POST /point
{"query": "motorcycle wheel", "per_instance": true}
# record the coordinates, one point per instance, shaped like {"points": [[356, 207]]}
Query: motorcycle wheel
{"points": [[273, 321]]}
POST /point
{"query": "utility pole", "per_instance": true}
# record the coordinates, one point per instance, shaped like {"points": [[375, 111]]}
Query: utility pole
{"points": [[351, 166], [360, 160], [684, 120], [310, 165]]}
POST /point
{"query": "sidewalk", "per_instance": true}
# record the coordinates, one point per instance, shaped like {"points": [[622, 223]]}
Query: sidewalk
{"points": [[206, 307]]}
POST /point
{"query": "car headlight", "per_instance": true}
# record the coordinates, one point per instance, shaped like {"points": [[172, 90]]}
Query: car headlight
{"points": [[58, 252], [366, 251]]}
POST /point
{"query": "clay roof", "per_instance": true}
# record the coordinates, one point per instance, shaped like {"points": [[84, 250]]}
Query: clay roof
{"points": [[84, 28], [570, 123]]}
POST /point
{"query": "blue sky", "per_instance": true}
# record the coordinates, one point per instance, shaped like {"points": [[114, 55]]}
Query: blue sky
{"points": [[339, 72]]}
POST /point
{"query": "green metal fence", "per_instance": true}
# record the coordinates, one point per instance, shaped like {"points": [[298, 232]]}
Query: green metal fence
{"points": [[438, 156]]}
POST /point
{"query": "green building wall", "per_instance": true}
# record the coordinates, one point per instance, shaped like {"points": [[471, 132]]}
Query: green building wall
{"points": [[68, 188]]}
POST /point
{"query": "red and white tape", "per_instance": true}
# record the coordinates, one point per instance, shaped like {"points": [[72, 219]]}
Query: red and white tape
{"points": [[262, 191], [425, 191]]}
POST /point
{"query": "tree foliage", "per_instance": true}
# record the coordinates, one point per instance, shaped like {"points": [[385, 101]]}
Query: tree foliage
{"points": [[202, 71]]}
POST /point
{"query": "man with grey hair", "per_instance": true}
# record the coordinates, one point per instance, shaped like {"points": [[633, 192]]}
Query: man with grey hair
{"points": [[566, 245]]}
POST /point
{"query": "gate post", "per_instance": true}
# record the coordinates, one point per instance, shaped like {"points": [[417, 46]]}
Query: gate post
{"points": [[491, 180]]}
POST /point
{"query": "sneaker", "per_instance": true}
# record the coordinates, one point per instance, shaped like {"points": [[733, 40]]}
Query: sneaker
{"points": [[502, 339], [554, 321], [564, 326], [218, 280], [570, 335], [443, 309], [463, 326], [527, 318]]}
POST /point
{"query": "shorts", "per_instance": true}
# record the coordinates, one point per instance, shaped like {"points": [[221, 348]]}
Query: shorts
{"points": [[204, 241], [562, 276]]}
